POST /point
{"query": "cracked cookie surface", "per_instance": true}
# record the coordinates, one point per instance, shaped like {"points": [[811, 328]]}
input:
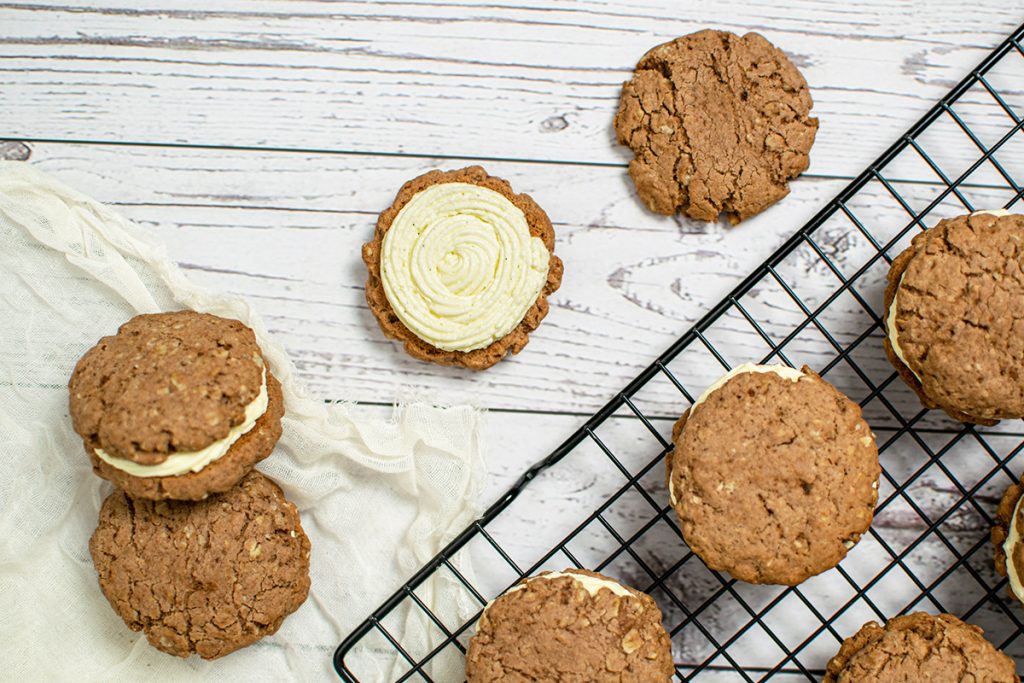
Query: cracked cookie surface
{"points": [[218, 476], [205, 578], [165, 383], [556, 630], [173, 383], [959, 318], [920, 647], [717, 123], [511, 343], [773, 480]]}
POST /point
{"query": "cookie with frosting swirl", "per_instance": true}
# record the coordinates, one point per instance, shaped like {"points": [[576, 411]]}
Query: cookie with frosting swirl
{"points": [[460, 268]]}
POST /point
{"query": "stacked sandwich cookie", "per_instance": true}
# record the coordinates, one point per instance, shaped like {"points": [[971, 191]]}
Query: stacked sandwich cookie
{"points": [[774, 474], [195, 548], [573, 625], [954, 308]]}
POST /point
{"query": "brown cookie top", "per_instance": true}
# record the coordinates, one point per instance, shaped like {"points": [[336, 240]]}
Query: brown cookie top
{"points": [[514, 341], [1001, 532], [556, 630], [773, 479], [204, 578], [717, 123], [920, 647], [216, 477], [959, 318], [165, 383]]}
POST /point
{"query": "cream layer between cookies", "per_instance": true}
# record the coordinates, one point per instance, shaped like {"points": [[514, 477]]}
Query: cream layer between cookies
{"points": [[1012, 540], [459, 266], [783, 371], [194, 461], [890, 317]]}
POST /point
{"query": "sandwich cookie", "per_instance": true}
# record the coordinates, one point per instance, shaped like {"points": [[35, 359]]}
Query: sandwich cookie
{"points": [[570, 627], [774, 474], [1006, 537], [954, 316], [717, 123], [176, 405], [920, 647], [460, 268], [203, 578]]}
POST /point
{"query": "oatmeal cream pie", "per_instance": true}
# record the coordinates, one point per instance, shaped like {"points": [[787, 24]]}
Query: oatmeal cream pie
{"points": [[176, 405], [954, 316], [203, 578], [774, 474], [717, 123], [920, 647], [1006, 537], [573, 626], [460, 268]]}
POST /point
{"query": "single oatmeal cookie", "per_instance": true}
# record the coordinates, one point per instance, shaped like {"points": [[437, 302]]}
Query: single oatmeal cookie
{"points": [[206, 578], [717, 123]]}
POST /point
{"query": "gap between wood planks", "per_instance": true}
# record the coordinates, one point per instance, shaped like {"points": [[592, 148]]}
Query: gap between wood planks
{"points": [[20, 151], [621, 287]]}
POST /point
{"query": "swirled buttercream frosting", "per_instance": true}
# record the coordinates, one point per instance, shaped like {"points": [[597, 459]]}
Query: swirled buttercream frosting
{"points": [[459, 266]]}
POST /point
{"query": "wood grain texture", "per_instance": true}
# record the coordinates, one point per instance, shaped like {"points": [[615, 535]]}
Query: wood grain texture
{"points": [[260, 139], [457, 78], [284, 230]]}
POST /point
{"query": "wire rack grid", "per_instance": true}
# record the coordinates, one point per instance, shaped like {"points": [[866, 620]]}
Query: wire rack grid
{"points": [[815, 301]]}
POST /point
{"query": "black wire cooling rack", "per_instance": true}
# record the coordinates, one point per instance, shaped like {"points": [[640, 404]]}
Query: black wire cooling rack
{"points": [[815, 301]]}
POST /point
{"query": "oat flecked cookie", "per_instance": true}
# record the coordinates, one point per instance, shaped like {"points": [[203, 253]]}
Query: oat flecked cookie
{"points": [[774, 474], [1007, 539], [460, 268], [574, 626], [203, 578], [920, 647], [717, 123], [955, 316], [176, 405]]}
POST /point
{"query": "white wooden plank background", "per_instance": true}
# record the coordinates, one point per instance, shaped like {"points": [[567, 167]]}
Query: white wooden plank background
{"points": [[260, 139]]}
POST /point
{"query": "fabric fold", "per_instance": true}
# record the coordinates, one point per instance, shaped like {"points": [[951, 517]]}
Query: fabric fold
{"points": [[378, 497]]}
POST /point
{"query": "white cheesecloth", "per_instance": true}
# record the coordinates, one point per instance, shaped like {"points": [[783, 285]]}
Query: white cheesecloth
{"points": [[377, 497]]}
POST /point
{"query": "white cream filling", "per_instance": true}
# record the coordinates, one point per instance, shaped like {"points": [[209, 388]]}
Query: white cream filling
{"points": [[194, 461], [890, 329], [783, 371], [460, 267], [890, 318], [1012, 539]]}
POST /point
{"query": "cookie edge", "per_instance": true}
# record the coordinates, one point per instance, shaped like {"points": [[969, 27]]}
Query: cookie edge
{"points": [[791, 578]]}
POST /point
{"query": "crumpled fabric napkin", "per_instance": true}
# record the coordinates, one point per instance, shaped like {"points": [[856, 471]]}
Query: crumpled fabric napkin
{"points": [[377, 497]]}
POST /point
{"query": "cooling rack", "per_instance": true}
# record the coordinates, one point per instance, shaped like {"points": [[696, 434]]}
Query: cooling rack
{"points": [[815, 301]]}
